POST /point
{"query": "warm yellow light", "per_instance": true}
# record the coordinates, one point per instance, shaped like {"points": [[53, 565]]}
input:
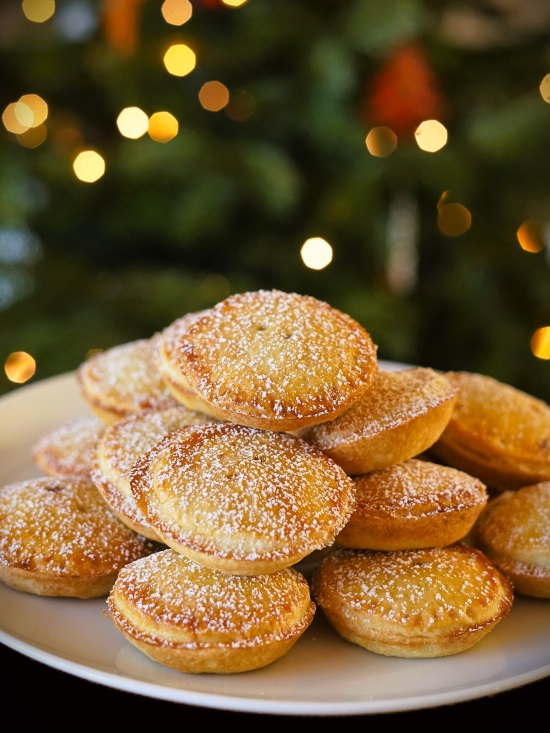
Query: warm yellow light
{"points": [[431, 136], [10, 120], [37, 106], [176, 12], [132, 122], [20, 367], [38, 11], [163, 127], [234, 3], [89, 166], [545, 88], [180, 60], [213, 96], [23, 114], [316, 253], [33, 137], [381, 141], [453, 219], [530, 236], [540, 343]]}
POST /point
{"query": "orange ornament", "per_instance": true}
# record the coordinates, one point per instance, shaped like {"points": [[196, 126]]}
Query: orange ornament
{"points": [[404, 92]]}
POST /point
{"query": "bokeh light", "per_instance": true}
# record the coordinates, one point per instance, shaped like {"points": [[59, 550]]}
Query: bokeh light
{"points": [[176, 12], [540, 343], [213, 96], [381, 141], [23, 114], [11, 121], [20, 367], [180, 60], [234, 3], [77, 20], [431, 136], [25, 119], [132, 122], [545, 88], [163, 127], [18, 246], [38, 11], [530, 236], [36, 106], [453, 219], [33, 137], [89, 166], [316, 253]]}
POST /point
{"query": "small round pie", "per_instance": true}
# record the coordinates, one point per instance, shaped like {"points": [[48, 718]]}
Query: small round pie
{"points": [[241, 500], [496, 432], [59, 538], [399, 417], [430, 602], [120, 447], [274, 360], [197, 620], [168, 365], [411, 505], [123, 380], [69, 449], [514, 532]]}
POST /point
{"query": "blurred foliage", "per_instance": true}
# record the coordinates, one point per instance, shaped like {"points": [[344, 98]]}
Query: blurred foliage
{"points": [[226, 205]]}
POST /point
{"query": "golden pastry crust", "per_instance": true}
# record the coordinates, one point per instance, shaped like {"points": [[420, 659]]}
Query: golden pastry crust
{"points": [[274, 360], [402, 414], [168, 365], [514, 532], [411, 505], [430, 602], [241, 500], [120, 447], [496, 432], [59, 538], [197, 620], [69, 449], [123, 380]]}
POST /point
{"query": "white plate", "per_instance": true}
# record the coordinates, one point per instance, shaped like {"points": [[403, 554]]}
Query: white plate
{"points": [[321, 675]]}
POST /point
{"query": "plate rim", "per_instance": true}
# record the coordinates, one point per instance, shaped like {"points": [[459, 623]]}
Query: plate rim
{"points": [[44, 389]]}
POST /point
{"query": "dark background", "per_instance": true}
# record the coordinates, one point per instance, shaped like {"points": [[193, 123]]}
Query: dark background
{"points": [[226, 205]]}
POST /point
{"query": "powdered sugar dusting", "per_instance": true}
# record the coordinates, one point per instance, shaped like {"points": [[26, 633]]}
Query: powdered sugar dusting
{"points": [[418, 488], [69, 449], [277, 354], [122, 444], [62, 526], [235, 491], [510, 421], [128, 439], [516, 524], [427, 589], [192, 605], [125, 378], [395, 398], [169, 343]]}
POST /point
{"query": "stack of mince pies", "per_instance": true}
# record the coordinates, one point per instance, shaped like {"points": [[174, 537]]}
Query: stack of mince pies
{"points": [[253, 464]]}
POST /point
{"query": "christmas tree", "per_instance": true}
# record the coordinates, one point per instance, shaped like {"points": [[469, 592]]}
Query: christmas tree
{"points": [[406, 139]]}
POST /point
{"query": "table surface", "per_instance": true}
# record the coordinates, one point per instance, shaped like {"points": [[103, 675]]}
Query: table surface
{"points": [[43, 687]]}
